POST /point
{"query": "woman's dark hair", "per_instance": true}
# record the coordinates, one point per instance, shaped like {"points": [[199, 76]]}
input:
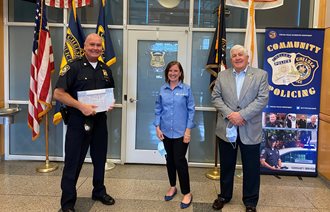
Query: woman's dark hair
{"points": [[169, 65]]}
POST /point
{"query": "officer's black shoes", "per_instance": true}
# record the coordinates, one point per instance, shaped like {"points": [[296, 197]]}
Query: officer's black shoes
{"points": [[219, 203], [251, 209], [105, 199], [68, 210]]}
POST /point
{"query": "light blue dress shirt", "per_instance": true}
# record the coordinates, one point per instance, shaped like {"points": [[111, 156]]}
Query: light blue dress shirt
{"points": [[239, 77], [174, 110]]}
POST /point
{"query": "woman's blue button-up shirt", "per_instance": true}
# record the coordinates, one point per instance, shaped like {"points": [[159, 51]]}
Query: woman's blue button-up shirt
{"points": [[174, 110]]}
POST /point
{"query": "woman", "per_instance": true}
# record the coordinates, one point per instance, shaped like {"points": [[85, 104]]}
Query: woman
{"points": [[174, 112]]}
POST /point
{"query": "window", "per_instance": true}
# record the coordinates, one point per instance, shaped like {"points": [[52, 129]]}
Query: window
{"points": [[155, 12]]}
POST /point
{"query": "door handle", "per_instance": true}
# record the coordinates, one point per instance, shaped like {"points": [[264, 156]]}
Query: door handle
{"points": [[131, 100]]}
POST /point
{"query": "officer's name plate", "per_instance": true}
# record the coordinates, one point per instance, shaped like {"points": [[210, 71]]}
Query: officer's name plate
{"points": [[102, 98]]}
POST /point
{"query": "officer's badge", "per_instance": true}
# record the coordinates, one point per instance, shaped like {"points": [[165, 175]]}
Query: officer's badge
{"points": [[65, 69], [157, 59], [105, 73], [284, 69]]}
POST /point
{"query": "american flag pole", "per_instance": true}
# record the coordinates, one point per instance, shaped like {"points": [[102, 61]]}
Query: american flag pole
{"points": [[47, 167], [46, 118], [216, 63]]}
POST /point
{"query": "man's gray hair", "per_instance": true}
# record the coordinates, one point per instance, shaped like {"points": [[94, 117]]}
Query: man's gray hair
{"points": [[239, 48]]}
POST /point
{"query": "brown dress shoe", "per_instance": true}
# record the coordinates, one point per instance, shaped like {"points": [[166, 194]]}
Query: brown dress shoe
{"points": [[251, 209], [219, 203]]}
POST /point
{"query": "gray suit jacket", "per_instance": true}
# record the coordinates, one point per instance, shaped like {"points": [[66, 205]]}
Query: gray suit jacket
{"points": [[253, 98]]}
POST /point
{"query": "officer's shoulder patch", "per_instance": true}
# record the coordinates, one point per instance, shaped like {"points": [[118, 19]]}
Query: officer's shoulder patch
{"points": [[65, 69]]}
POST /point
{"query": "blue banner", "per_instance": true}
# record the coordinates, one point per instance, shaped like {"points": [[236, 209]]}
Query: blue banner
{"points": [[293, 60]]}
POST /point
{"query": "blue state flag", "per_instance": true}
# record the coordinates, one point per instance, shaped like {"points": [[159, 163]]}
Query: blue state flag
{"points": [[108, 56], [73, 48]]}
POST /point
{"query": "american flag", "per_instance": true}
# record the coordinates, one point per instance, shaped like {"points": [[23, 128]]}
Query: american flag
{"points": [[42, 64], [66, 3]]}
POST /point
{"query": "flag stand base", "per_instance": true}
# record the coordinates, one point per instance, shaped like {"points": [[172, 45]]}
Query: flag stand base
{"points": [[213, 174], [109, 165], [47, 167]]}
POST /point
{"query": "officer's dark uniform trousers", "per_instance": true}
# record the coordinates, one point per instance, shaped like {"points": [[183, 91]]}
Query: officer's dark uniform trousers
{"points": [[82, 76], [76, 147], [251, 170]]}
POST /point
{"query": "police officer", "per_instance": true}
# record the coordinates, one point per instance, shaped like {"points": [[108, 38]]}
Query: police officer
{"points": [[86, 128], [270, 156], [273, 122]]}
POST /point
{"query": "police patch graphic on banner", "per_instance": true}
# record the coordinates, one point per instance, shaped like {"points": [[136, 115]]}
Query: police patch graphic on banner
{"points": [[293, 60], [307, 68]]}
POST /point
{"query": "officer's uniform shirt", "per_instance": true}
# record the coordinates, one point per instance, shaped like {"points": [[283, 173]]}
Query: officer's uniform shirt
{"points": [[271, 156], [79, 75], [311, 126], [302, 123], [273, 124]]}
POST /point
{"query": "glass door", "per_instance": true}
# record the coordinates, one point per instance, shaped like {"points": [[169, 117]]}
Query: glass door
{"points": [[150, 51]]}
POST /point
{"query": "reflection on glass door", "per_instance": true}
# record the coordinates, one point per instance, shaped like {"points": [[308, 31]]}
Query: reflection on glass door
{"points": [[149, 54]]}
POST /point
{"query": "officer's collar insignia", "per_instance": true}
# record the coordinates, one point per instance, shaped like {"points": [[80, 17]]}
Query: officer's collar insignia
{"points": [[65, 69], [105, 73]]}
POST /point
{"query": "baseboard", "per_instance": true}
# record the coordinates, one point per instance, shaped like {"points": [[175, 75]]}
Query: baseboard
{"points": [[325, 180]]}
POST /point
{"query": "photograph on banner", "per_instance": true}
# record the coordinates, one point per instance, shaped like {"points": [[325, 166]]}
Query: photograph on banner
{"points": [[273, 120], [281, 120], [289, 120], [289, 143]]}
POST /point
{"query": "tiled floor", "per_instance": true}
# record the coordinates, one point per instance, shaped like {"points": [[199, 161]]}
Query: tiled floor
{"points": [[142, 187]]}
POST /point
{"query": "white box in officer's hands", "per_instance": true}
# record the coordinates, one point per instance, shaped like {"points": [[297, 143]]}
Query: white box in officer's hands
{"points": [[102, 98]]}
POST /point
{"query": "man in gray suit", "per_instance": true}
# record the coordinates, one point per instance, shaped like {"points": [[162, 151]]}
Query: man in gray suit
{"points": [[239, 95]]}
